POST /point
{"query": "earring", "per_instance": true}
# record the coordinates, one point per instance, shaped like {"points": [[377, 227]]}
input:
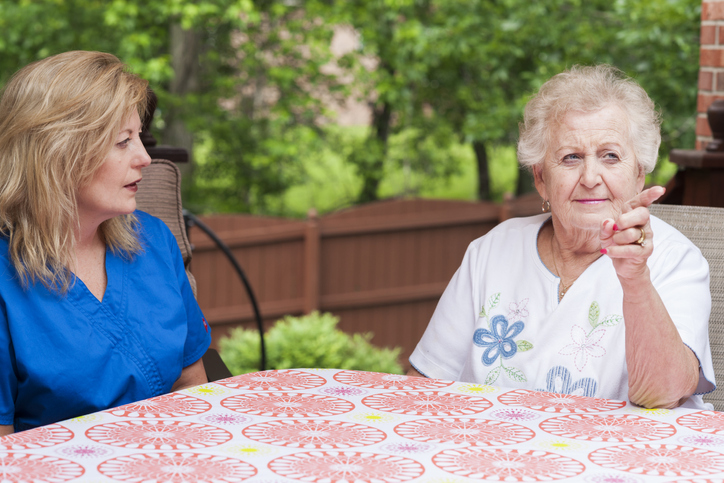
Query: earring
{"points": [[546, 206]]}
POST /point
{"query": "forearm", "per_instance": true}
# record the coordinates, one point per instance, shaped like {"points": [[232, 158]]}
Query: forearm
{"points": [[191, 376], [6, 429], [662, 371], [414, 373]]}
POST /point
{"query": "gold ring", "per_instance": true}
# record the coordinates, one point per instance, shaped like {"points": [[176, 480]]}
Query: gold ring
{"points": [[641, 241]]}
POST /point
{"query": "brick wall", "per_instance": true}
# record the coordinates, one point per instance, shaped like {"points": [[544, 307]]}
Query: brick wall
{"points": [[711, 65]]}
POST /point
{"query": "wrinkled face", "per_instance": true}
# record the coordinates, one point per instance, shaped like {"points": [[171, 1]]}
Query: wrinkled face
{"points": [[590, 170], [112, 190]]}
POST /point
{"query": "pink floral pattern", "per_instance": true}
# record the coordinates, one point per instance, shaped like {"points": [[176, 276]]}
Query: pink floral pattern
{"points": [[287, 405], [173, 405], [510, 465], [659, 460], [284, 380], [42, 437], [24, 467], [176, 468], [711, 422], [347, 466], [427, 403], [155, 435], [558, 403], [376, 380], [314, 434], [611, 428], [358, 427], [482, 432]]}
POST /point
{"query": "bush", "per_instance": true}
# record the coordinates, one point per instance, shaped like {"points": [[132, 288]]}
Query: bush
{"points": [[310, 341]]}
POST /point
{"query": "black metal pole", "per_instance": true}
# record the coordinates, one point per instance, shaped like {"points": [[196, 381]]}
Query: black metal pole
{"points": [[193, 220]]}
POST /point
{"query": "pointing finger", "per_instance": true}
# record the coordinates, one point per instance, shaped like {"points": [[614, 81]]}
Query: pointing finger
{"points": [[645, 198]]}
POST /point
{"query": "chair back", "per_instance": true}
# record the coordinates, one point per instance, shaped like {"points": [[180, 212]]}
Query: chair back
{"points": [[159, 194], [704, 226]]}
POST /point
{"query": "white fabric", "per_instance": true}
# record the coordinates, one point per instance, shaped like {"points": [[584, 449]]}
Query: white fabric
{"points": [[503, 303]]}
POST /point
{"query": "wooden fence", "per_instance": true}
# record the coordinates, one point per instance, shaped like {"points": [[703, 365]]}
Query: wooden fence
{"points": [[381, 267]]}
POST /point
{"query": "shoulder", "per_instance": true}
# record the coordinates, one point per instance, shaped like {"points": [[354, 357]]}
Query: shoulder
{"points": [[151, 227], [673, 251], [512, 230], [668, 238]]}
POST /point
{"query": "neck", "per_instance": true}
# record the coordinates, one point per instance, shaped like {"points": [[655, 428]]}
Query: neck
{"points": [[88, 239], [573, 243], [568, 253]]}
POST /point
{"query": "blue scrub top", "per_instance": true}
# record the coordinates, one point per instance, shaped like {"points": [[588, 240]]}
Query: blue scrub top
{"points": [[62, 357]]}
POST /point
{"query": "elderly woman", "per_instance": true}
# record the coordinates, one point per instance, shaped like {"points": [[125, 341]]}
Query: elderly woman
{"points": [[96, 309], [597, 297]]}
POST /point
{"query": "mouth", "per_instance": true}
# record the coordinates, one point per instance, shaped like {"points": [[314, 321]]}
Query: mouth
{"points": [[133, 186], [591, 201]]}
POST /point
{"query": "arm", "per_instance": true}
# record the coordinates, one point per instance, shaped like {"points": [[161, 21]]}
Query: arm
{"points": [[413, 373], [663, 371], [441, 351], [191, 376], [6, 429]]}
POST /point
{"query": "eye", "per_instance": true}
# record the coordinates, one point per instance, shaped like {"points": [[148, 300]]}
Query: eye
{"points": [[611, 156], [570, 158], [124, 144]]}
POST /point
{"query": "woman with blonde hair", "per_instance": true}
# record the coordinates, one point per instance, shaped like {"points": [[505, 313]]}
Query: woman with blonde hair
{"points": [[96, 309], [594, 297]]}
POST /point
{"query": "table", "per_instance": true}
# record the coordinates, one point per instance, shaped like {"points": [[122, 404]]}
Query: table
{"points": [[322, 425]]}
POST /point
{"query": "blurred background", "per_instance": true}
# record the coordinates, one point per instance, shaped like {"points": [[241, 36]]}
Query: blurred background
{"points": [[287, 105], [294, 109]]}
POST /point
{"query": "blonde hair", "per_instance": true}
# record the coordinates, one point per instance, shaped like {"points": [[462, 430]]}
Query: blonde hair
{"points": [[589, 89], [59, 118]]}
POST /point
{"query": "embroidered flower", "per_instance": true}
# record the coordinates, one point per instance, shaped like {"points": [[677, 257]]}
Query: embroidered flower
{"points": [[559, 381], [584, 345], [518, 311], [498, 340]]}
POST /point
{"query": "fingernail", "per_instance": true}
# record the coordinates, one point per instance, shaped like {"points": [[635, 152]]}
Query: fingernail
{"points": [[615, 227], [604, 251]]}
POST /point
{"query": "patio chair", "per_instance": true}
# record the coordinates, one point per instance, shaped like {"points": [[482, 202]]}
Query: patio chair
{"points": [[705, 227], [159, 194]]}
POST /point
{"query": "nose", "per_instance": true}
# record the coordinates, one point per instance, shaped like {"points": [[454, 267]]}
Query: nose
{"points": [[142, 159], [590, 175]]}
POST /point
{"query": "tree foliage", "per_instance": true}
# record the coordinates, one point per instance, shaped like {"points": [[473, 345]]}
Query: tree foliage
{"points": [[444, 71], [470, 66]]}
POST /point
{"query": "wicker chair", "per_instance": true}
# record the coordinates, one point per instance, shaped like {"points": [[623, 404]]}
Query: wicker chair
{"points": [[159, 194], [705, 227]]}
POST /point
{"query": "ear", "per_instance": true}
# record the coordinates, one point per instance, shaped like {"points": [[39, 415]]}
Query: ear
{"points": [[540, 184], [640, 179]]}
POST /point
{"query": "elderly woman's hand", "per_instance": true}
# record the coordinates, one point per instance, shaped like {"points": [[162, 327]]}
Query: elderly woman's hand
{"points": [[620, 237]]}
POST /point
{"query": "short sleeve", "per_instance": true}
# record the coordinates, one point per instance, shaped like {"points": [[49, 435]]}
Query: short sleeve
{"points": [[198, 337], [8, 379], [681, 277], [443, 348]]}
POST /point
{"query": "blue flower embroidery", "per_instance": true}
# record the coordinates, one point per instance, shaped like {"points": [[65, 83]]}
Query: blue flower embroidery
{"points": [[558, 380], [499, 340]]}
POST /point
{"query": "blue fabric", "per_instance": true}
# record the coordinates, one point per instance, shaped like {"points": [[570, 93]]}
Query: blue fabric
{"points": [[62, 357]]}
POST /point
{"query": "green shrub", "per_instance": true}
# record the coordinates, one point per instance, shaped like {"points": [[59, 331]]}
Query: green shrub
{"points": [[310, 341]]}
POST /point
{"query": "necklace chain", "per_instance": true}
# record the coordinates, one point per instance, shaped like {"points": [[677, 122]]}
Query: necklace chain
{"points": [[564, 288]]}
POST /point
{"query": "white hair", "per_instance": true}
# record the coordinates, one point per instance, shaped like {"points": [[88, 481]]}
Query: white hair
{"points": [[589, 89]]}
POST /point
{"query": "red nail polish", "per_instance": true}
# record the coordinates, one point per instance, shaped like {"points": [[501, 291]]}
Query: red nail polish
{"points": [[604, 251], [615, 227]]}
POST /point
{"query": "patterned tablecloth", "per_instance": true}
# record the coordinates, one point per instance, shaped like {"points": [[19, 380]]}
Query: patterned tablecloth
{"points": [[336, 426]]}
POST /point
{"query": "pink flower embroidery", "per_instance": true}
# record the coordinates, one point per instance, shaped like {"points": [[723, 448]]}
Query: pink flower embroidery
{"points": [[584, 345], [518, 311]]}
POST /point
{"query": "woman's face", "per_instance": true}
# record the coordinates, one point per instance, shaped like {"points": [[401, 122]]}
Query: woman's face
{"points": [[112, 190], [590, 170]]}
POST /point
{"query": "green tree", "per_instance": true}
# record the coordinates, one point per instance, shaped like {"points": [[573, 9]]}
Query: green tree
{"points": [[470, 66], [245, 77]]}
